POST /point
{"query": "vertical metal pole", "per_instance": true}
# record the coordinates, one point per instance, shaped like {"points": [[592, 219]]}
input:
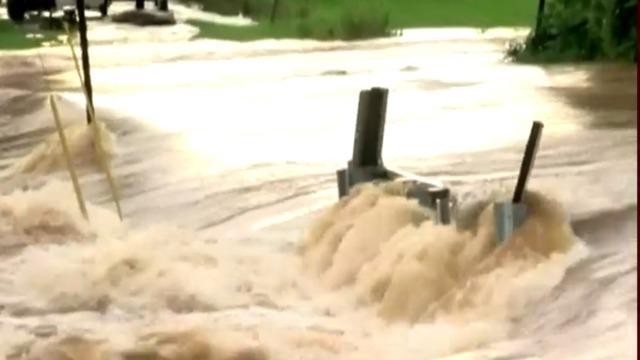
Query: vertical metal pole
{"points": [[440, 201], [274, 9], [84, 46], [343, 182], [539, 16], [528, 160], [369, 137]]}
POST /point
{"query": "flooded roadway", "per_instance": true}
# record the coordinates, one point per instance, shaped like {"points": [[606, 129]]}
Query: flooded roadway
{"points": [[224, 152]]}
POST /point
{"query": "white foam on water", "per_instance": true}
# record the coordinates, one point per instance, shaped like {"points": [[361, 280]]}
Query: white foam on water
{"points": [[399, 280], [458, 287]]}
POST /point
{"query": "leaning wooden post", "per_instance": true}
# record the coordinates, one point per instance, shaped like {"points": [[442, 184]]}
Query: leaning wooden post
{"points": [[67, 157], [97, 137]]}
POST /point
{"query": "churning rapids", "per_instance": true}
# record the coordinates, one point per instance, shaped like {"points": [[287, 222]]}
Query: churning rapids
{"points": [[233, 244]]}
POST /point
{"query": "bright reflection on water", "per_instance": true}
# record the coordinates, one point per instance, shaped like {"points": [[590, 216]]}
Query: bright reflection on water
{"points": [[446, 96]]}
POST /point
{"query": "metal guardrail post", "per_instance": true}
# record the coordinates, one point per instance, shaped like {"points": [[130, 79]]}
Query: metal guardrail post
{"points": [[527, 161], [371, 118], [343, 182], [366, 159], [366, 163], [508, 216]]}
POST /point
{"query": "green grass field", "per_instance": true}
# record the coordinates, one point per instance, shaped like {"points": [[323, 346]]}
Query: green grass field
{"points": [[333, 19], [324, 19], [14, 37], [472, 13]]}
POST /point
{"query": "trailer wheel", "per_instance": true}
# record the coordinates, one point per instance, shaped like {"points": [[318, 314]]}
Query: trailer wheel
{"points": [[16, 10]]}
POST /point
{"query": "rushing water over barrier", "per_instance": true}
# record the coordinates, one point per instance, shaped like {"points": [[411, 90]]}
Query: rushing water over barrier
{"points": [[233, 245]]}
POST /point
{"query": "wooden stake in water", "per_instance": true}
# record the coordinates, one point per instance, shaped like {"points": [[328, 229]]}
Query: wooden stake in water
{"points": [[67, 157], [100, 153]]}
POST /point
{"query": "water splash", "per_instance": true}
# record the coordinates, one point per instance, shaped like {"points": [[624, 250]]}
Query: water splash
{"points": [[49, 214], [48, 156], [384, 246]]}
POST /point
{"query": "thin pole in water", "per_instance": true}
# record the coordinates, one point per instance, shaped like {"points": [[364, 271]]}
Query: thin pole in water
{"points": [[274, 9], [67, 158], [539, 16], [100, 153], [527, 161], [84, 47]]}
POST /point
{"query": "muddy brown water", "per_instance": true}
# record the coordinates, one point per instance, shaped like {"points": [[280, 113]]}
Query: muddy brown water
{"points": [[225, 152]]}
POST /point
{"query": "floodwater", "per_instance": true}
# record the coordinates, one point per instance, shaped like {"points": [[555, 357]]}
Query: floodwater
{"points": [[225, 156]]}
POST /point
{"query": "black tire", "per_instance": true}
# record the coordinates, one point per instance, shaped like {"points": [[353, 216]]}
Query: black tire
{"points": [[16, 10], [104, 8]]}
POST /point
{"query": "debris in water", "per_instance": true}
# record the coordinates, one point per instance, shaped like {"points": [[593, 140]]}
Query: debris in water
{"points": [[334, 73], [45, 330], [144, 17], [410, 68]]}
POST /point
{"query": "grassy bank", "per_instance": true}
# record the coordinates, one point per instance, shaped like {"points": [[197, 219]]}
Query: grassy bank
{"points": [[582, 30], [329, 19], [15, 37], [359, 19]]}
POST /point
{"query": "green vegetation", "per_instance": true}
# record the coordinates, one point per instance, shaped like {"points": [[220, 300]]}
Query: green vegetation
{"points": [[360, 19], [14, 37], [332, 19], [462, 13], [570, 30], [582, 30]]}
